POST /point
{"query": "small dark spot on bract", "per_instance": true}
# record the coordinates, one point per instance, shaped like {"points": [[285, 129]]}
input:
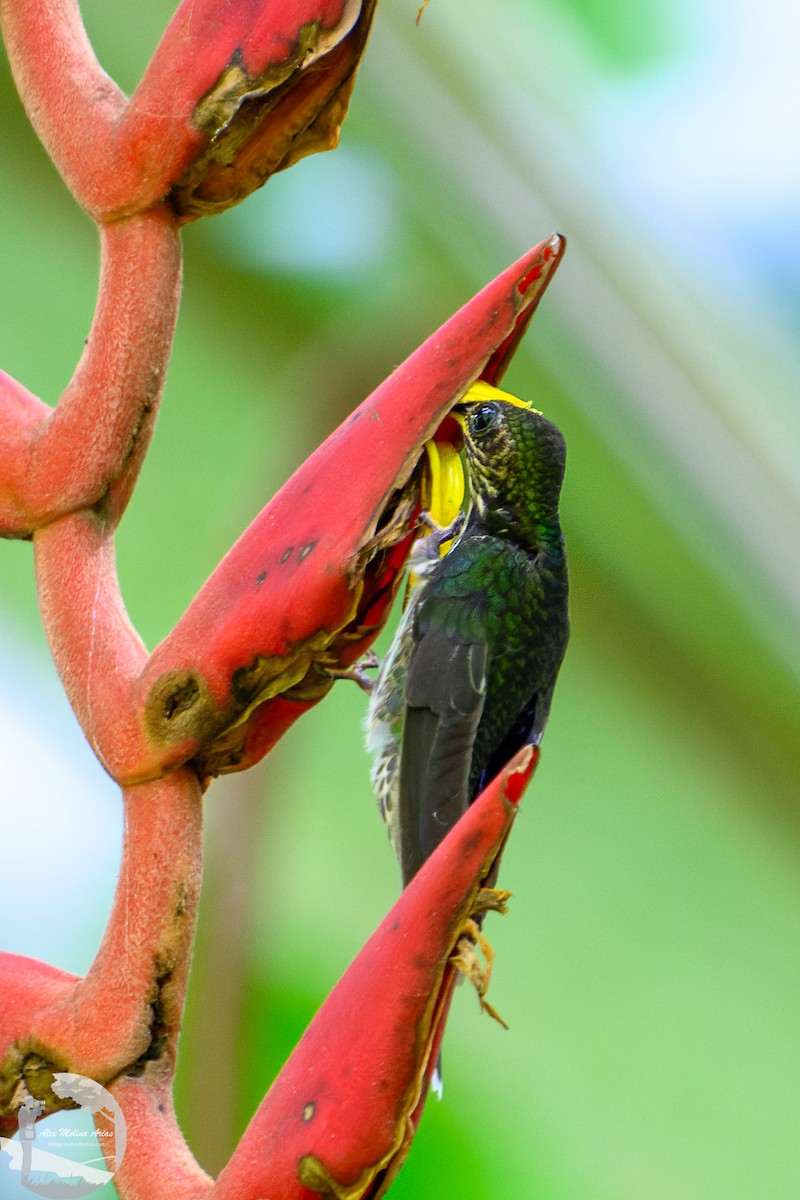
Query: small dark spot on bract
{"points": [[471, 843], [395, 926], [287, 553], [306, 550], [260, 578], [162, 1108], [309, 1110]]}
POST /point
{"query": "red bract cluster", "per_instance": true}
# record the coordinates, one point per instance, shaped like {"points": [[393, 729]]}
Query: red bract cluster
{"points": [[234, 92]]}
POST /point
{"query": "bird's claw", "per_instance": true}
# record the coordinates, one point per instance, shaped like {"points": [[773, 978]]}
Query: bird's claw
{"points": [[466, 960], [357, 672], [442, 533], [428, 547]]}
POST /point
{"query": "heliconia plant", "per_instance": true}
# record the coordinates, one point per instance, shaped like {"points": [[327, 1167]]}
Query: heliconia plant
{"points": [[236, 90]]}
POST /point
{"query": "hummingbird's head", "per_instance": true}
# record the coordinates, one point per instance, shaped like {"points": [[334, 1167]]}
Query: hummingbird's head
{"points": [[515, 462]]}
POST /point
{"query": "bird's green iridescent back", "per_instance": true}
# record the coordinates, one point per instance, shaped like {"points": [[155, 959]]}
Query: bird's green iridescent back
{"points": [[479, 650], [491, 590]]}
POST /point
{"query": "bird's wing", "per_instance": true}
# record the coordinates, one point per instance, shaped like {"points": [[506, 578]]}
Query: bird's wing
{"points": [[445, 692]]}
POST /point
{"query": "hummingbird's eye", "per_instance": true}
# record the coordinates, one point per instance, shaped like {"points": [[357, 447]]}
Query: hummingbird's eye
{"points": [[483, 418]]}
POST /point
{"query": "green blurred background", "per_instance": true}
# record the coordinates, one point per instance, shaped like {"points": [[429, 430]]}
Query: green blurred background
{"points": [[649, 968]]}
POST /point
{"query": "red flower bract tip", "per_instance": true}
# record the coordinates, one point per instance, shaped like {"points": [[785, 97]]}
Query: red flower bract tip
{"points": [[308, 586], [340, 1118]]}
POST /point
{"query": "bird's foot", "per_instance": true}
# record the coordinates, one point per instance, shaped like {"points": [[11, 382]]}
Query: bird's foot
{"points": [[466, 961], [429, 547], [442, 533], [357, 672]]}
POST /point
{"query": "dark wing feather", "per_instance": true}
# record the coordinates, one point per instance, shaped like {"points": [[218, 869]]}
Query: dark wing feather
{"points": [[445, 692]]}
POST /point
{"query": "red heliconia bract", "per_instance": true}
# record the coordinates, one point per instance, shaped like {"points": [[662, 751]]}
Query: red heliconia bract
{"points": [[340, 1117], [308, 585]]}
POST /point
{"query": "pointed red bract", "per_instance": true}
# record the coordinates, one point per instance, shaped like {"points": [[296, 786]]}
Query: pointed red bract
{"points": [[341, 1116], [239, 90], [309, 584]]}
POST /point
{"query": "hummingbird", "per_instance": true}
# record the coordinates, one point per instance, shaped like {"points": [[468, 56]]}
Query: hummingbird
{"points": [[469, 677]]}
